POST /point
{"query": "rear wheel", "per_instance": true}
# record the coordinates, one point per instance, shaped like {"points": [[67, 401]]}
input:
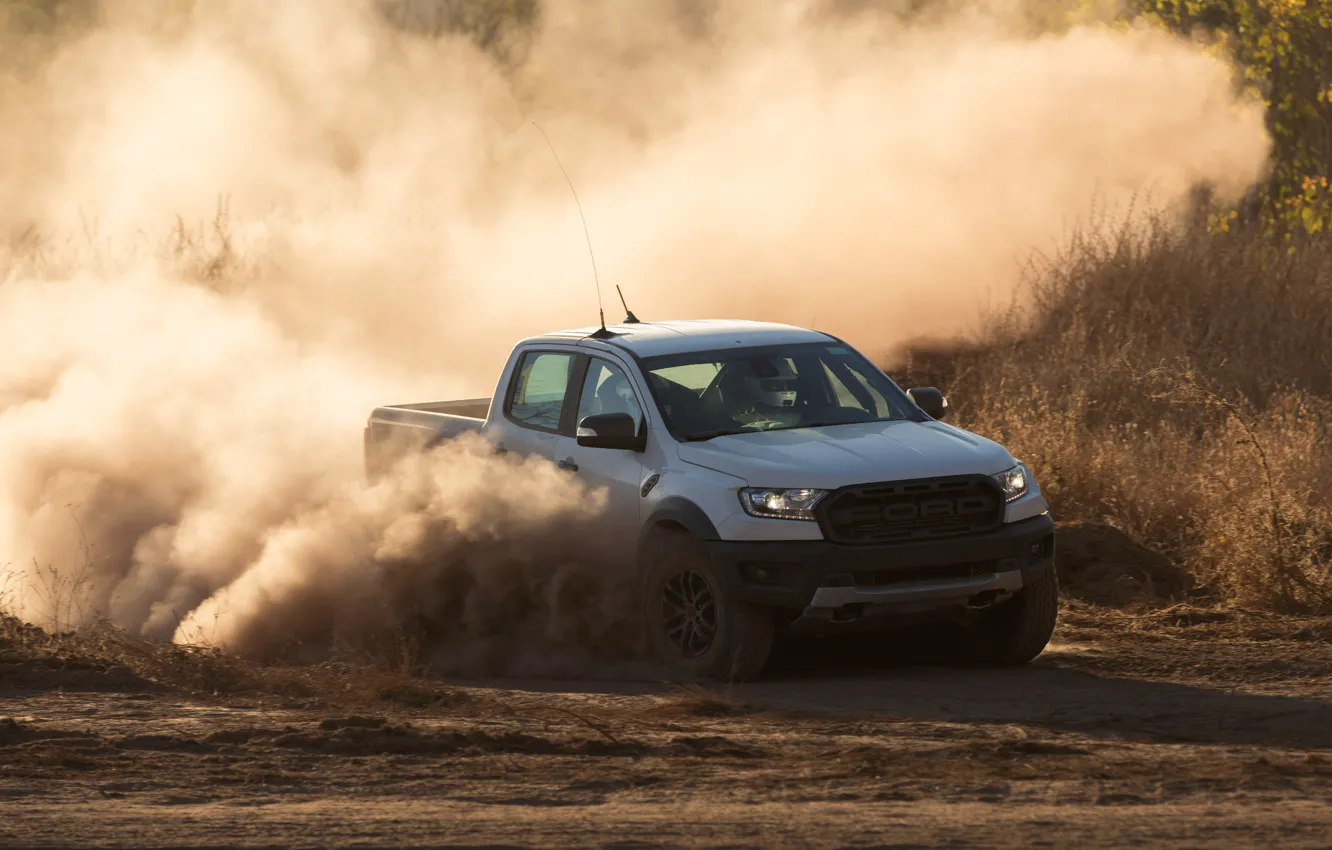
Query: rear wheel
{"points": [[695, 627], [1016, 631]]}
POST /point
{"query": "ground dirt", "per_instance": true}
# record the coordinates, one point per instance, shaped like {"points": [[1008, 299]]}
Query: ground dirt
{"points": [[1179, 727]]}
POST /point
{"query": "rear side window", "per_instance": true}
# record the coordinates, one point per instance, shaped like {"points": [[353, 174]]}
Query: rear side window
{"points": [[538, 394]]}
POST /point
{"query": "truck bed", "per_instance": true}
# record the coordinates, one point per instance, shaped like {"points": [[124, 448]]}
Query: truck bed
{"points": [[470, 408], [396, 429]]}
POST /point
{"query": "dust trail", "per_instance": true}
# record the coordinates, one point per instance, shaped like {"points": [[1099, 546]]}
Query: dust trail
{"points": [[363, 215], [460, 547]]}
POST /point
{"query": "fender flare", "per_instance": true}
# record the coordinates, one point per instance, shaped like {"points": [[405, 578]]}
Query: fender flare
{"points": [[679, 511]]}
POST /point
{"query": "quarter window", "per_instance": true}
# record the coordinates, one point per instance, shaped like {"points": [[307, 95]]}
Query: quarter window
{"points": [[543, 382]]}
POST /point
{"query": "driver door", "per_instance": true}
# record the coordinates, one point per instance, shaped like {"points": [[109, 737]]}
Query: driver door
{"points": [[606, 388]]}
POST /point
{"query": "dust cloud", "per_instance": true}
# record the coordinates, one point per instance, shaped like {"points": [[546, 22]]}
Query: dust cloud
{"points": [[231, 228]]}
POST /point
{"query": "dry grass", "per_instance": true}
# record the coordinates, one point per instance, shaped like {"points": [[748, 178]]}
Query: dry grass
{"points": [[693, 700], [204, 252], [1177, 385]]}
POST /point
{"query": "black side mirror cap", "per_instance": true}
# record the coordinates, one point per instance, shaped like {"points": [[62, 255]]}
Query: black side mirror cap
{"points": [[930, 400], [611, 431]]}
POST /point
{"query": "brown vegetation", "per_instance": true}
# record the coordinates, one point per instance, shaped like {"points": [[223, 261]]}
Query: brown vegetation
{"points": [[1177, 385]]}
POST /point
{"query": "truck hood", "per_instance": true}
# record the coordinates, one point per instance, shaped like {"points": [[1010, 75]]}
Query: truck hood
{"points": [[840, 455]]}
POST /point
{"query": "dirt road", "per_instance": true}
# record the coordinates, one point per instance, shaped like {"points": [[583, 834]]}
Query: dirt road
{"points": [[1203, 730]]}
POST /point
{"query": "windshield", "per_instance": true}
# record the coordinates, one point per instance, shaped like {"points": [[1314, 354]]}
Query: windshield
{"points": [[743, 390]]}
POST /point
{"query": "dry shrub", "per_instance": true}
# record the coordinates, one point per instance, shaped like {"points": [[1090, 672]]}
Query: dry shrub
{"points": [[1177, 385], [1100, 564]]}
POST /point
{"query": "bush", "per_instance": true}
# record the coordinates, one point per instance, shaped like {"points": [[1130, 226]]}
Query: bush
{"points": [[1177, 385]]}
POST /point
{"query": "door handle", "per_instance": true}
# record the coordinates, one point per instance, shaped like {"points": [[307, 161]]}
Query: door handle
{"points": [[568, 463]]}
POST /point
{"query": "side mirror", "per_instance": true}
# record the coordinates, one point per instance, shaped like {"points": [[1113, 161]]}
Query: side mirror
{"points": [[611, 431], [930, 400]]}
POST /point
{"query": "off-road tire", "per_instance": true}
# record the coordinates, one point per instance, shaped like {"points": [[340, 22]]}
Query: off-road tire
{"points": [[742, 635], [1015, 632]]}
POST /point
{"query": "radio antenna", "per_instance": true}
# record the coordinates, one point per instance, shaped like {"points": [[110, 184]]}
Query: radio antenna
{"points": [[596, 280], [629, 317]]}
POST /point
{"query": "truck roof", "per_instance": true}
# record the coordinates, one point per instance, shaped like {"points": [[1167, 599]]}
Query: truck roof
{"points": [[648, 339]]}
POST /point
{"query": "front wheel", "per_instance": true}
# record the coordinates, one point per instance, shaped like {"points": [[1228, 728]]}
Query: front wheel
{"points": [[695, 627], [1015, 632]]}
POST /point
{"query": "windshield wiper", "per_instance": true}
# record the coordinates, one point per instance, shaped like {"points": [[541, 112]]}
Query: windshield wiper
{"points": [[726, 432], [708, 435]]}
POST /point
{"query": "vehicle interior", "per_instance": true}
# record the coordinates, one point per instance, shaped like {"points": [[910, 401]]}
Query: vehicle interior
{"points": [[762, 390]]}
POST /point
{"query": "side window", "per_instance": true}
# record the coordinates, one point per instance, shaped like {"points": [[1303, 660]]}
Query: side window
{"points": [[881, 405], [606, 389], [538, 395], [861, 396], [844, 396]]}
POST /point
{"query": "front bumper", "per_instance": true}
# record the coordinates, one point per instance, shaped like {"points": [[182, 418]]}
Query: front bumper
{"points": [[831, 583]]}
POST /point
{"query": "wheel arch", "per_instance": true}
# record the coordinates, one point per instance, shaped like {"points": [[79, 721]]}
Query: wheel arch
{"points": [[677, 514]]}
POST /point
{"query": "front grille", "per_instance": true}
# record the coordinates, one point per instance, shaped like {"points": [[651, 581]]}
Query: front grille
{"points": [[939, 572], [911, 510]]}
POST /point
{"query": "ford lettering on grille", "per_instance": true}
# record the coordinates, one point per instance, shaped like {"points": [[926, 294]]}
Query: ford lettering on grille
{"points": [[911, 510]]}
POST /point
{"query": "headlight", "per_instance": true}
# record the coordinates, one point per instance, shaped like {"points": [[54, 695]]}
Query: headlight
{"points": [[1014, 482], [781, 504]]}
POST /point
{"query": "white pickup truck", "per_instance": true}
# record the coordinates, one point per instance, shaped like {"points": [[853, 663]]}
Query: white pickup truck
{"points": [[764, 477]]}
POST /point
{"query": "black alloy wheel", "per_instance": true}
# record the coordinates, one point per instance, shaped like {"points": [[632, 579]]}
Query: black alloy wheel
{"points": [[696, 625], [689, 613]]}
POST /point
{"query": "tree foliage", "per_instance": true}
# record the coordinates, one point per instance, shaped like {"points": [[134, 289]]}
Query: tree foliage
{"points": [[495, 25], [1285, 50], [38, 17]]}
